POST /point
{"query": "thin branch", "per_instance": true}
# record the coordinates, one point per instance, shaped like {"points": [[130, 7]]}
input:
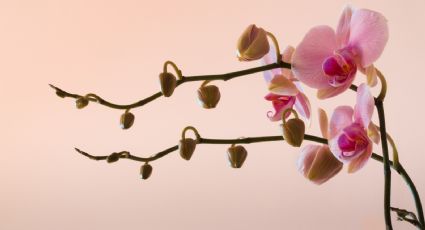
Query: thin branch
{"points": [[404, 215], [223, 77]]}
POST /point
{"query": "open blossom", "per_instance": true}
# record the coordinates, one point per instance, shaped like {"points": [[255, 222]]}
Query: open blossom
{"points": [[284, 92], [348, 131], [328, 60]]}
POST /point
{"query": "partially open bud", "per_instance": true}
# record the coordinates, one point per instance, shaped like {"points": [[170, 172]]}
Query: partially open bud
{"points": [[318, 164], [168, 83], [187, 145], [146, 171], [293, 130], [127, 120], [253, 44], [114, 157], [81, 102], [237, 155], [208, 95]]}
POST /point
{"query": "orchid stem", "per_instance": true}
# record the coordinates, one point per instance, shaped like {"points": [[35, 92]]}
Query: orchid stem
{"points": [[184, 79], [387, 172]]}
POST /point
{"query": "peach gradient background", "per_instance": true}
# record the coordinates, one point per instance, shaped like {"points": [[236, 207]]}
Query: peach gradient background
{"points": [[116, 49]]}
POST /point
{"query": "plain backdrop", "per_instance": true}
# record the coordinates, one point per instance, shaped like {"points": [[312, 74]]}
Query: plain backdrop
{"points": [[116, 49]]}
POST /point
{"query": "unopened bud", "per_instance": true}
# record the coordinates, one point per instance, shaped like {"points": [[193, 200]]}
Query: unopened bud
{"points": [[209, 96], [127, 120], [114, 157], [187, 147], [146, 171], [168, 83], [237, 155], [81, 102], [293, 131], [253, 44], [318, 164]]}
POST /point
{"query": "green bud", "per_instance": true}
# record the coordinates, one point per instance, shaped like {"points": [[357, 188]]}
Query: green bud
{"points": [[237, 155], [127, 120], [168, 83], [81, 102], [293, 131], [187, 147], [146, 171], [114, 157], [209, 96]]}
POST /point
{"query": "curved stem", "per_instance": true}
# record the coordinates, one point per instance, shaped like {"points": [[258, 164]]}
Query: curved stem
{"points": [[184, 79]]}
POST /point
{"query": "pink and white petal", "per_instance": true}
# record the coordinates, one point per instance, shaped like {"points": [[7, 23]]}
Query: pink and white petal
{"points": [[277, 115], [333, 91], [318, 44], [287, 57], [368, 35], [324, 123], [282, 86], [343, 28], [359, 162], [373, 133], [335, 149], [306, 158], [270, 58], [342, 117], [371, 76], [364, 106], [302, 105]]}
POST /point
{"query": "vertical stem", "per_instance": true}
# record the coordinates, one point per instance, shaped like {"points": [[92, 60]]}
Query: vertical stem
{"points": [[387, 170]]}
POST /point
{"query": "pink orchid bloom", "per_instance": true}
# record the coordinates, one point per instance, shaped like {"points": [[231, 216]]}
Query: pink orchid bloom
{"points": [[328, 61], [348, 131], [284, 93]]}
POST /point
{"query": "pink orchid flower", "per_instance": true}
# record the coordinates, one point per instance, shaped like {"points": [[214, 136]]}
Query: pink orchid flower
{"points": [[316, 162], [284, 93], [328, 61], [350, 129]]}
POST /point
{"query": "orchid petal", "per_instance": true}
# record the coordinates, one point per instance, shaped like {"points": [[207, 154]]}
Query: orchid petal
{"points": [[280, 104], [343, 28], [331, 91], [318, 44], [371, 75], [373, 133], [324, 166], [282, 86], [368, 35], [270, 58], [341, 118], [360, 161], [287, 57], [364, 106], [306, 158], [302, 104], [324, 123]]}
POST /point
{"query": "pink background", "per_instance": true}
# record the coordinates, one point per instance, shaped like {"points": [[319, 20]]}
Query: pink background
{"points": [[116, 49]]}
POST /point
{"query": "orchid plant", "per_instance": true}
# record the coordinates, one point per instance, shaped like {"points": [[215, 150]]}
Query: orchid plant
{"points": [[327, 60]]}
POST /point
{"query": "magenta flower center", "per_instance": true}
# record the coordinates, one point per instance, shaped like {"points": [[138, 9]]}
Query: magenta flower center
{"points": [[353, 140], [340, 67]]}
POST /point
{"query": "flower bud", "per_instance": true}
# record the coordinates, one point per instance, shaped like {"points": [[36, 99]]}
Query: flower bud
{"points": [[187, 147], [114, 157], [168, 83], [81, 102], [237, 155], [127, 120], [318, 164], [209, 96], [293, 131], [146, 171], [253, 44]]}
